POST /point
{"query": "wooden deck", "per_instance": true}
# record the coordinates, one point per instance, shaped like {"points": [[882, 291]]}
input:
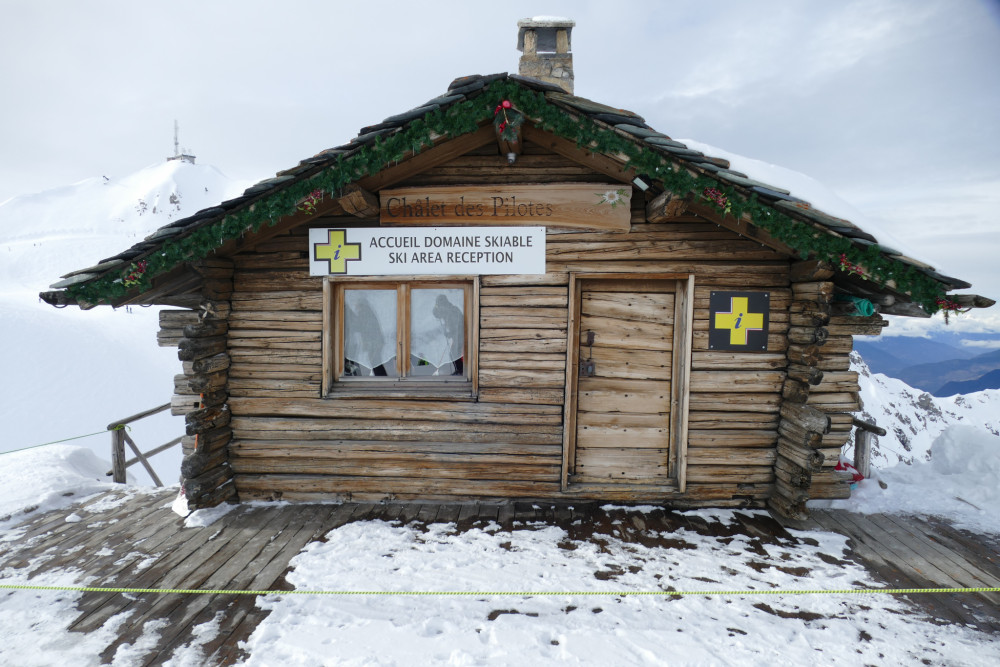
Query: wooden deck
{"points": [[134, 540]]}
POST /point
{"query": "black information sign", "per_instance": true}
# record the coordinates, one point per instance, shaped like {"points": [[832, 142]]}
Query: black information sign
{"points": [[738, 321]]}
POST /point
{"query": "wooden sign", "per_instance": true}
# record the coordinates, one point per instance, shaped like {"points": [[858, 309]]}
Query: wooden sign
{"points": [[738, 321], [605, 206]]}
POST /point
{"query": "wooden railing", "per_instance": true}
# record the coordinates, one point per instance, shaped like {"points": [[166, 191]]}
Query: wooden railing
{"points": [[120, 436]]}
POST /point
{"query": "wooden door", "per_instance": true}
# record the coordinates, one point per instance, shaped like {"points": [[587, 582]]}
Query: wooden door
{"points": [[623, 387]]}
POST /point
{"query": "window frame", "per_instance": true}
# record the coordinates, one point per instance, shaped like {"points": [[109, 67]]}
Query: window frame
{"points": [[405, 386]]}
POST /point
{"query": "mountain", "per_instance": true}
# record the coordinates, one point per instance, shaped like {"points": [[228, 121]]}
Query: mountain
{"points": [[989, 381], [70, 372], [891, 355], [913, 418], [932, 376], [47, 234]]}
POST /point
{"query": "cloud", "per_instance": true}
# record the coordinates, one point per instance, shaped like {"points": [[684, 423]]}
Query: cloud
{"points": [[988, 344]]}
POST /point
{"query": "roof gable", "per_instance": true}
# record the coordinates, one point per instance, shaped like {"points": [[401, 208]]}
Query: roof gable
{"points": [[612, 141]]}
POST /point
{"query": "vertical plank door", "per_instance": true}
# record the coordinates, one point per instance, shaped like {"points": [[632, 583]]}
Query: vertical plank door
{"points": [[623, 405]]}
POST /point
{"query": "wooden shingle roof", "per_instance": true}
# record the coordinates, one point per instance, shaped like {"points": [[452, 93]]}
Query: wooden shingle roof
{"points": [[467, 105]]}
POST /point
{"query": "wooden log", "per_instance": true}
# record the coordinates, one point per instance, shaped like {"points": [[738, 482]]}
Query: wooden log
{"points": [[225, 491], [795, 391], [843, 381], [835, 402], [810, 270], [182, 404], [796, 434], [206, 329], [830, 491], [807, 417], [666, 206], [198, 463], [359, 202], [794, 494], [190, 349], [806, 355], [217, 289], [721, 456], [808, 374], [182, 386], [808, 459], [788, 508], [205, 365], [807, 335], [837, 345], [208, 382], [207, 419], [808, 319], [169, 337], [177, 319], [207, 481], [810, 307], [813, 291], [791, 472], [213, 439]]}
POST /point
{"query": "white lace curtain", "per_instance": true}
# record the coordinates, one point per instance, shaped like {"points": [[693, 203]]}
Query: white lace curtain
{"points": [[437, 329]]}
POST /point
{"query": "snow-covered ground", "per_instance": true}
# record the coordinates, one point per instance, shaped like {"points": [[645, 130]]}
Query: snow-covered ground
{"points": [[588, 621]]}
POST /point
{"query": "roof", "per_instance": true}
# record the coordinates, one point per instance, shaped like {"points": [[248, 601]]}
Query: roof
{"points": [[469, 104]]}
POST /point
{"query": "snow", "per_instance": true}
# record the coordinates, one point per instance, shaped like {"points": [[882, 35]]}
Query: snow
{"points": [[588, 620], [941, 456], [816, 193], [79, 371], [46, 479]]}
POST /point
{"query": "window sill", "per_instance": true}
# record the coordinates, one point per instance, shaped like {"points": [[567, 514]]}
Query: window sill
{"points": [[427, 391]]}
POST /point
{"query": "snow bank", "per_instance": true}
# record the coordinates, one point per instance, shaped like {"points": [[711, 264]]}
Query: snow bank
{"points": [[48, 478], [959, 482]]}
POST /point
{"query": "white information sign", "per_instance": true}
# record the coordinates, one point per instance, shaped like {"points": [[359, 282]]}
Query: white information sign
{"points": [[442, 251]]}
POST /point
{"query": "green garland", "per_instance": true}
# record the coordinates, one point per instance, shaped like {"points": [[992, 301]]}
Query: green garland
{"points": [[466, 117]]}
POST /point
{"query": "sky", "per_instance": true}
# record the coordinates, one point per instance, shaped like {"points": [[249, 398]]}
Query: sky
{"points": [[892, 104]]}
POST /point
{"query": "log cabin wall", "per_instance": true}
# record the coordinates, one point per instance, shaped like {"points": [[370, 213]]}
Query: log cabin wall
{"points": [[290, 442], [200, 392]]}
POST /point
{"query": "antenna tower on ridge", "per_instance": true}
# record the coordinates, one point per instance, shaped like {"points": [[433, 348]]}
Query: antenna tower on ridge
{"points": [[184, 157]]}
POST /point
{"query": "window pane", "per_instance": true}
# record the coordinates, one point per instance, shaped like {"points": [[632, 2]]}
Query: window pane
{"points": [[370, 333], [437, 332]]}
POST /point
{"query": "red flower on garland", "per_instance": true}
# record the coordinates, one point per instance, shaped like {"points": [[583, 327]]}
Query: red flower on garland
{"points": [[947, 306], [852, 269], [136, 271], [718, 198], [308, 205], [507, 119]]}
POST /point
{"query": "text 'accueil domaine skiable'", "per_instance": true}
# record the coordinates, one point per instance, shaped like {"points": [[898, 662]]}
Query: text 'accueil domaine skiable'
{"points": [[426, 251]]}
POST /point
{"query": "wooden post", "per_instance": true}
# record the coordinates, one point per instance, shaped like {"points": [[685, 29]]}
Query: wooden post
{"points": [[863, 452], [118, 455]]}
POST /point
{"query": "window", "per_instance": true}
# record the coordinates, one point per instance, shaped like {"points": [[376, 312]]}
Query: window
{"points": [[400, 336]]}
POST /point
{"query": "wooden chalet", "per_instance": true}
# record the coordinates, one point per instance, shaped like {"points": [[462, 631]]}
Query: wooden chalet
{"points": [[510, 292]]}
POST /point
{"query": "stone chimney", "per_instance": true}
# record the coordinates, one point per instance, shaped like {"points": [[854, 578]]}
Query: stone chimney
{"points": [[544, 42]]}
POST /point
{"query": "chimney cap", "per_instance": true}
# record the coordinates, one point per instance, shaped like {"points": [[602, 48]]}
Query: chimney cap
{"points": [[551, 23]]}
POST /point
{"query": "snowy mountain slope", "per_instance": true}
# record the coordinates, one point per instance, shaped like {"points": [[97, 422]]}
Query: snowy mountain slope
{"points": [[914, 418], [69, 372], [47, 234]]}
